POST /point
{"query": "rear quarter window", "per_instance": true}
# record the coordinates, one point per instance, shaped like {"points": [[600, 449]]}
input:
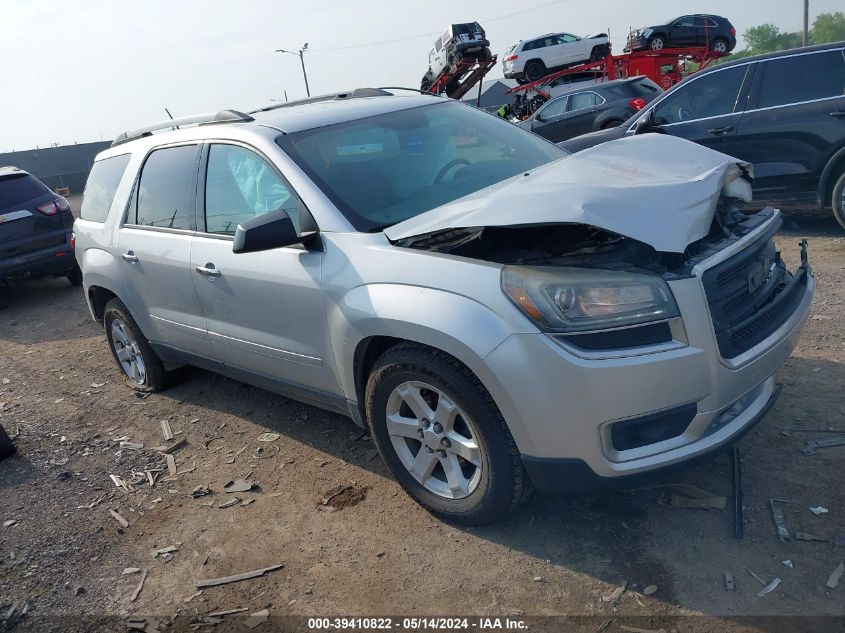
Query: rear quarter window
{"points": [[102, 186], [19, 189]]}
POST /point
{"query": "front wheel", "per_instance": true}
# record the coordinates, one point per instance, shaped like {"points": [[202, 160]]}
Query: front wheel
{"points": [[442, 436], [656, 43], [142, 368], [719, 46], [838, 200]]}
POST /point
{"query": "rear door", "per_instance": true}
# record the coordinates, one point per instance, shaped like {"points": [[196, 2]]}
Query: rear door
{"points": [[794, 124], [154, 247], [707, 108], [265, 310], [23, 228]]}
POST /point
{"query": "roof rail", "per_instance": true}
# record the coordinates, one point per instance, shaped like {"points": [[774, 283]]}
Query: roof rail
{"points": [[223, 116], [335, 96]]}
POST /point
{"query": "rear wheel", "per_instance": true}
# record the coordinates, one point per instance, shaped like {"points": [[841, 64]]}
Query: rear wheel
{"points": [[534, 71], [612, 123], [142, 368], [656, 43], [75, 276], [838, 199], [598, 54], [442, 436]]}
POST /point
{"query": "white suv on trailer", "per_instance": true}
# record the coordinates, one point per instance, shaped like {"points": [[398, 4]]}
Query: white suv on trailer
{"points": [[534, 58]]}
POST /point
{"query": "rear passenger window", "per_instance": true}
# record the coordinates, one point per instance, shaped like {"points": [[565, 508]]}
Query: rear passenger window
{"points": [[582, 100], [801, 78], [165, 196], [102, 184], [240, 185], [20, 188]]}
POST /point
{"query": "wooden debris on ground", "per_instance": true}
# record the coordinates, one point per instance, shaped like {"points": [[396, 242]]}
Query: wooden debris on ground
{"points": [[214, 582]]}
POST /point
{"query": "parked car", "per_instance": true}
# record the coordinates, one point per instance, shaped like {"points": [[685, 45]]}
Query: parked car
{"points": [[712, 31], [35, 230], [784, 112], [599, 106], [407, 261], [459, 41], [530, 60]]}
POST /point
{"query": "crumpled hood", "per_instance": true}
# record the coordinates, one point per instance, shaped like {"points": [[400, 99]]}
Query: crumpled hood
{"points": [[655, 188]]}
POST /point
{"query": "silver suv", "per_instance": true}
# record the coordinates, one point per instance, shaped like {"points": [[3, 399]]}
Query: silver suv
{"points": [[498, 314]]}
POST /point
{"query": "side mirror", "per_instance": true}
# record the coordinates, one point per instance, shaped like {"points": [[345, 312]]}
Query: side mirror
{"points": [[271, 230], [645, 123]]}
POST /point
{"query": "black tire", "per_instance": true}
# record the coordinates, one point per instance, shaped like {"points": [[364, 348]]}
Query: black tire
{"points": [[7, 449], [656, 43], [503, 482], [75, 276], [612, 123], [837, 201], [534, 70], [720, 46], [155, 378], [598, 54], [425, 86]]}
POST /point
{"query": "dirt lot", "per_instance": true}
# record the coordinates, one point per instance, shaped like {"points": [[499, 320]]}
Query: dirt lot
{"points": [[63, 557]]}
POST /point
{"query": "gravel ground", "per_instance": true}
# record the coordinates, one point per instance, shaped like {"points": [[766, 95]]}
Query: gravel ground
{"points": [[371, 550]]}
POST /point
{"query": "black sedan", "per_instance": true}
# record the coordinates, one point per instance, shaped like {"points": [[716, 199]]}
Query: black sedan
{"points": [[585, 108], [713, 31]]}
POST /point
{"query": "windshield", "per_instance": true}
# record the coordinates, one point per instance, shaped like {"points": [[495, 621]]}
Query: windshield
{"points": [[390, 167]]}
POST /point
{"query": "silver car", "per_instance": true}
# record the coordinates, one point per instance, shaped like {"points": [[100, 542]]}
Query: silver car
{"points": [[499, 315]]}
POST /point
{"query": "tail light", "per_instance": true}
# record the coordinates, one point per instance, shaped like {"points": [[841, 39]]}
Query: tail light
{"points": [[638, 103], [511, 58], [733, 32], [54, 206], [73, 240]]}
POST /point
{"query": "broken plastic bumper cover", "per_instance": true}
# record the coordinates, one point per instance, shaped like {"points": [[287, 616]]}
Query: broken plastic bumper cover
{"points": [[574, 475]]}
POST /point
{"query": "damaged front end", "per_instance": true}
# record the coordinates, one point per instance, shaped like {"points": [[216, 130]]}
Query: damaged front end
{"points": [[603, 283]]}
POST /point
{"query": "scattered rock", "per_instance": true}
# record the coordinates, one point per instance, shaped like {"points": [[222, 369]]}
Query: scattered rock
{"points": [[819, 510], [256, 619], [239, 485], [268, 437], [9, 523], [835, 576], [650, 590]]}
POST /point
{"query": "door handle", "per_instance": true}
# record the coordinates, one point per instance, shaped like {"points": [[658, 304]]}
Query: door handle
{"points": [[130, 257], [838, 113], [208, 270], [720, 130]]}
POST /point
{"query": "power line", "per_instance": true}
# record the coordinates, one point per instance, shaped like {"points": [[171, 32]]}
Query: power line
{"points": [[422, 35]]}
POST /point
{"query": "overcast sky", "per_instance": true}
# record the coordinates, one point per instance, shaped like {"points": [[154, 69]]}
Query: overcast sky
{"points": [[82, 70]]}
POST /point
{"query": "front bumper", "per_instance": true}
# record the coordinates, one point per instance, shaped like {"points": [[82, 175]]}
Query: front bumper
{"points": [[561, 404]]}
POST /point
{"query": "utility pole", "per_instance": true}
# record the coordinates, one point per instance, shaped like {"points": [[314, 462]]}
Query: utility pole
{"points": [[299, 54], [805, 35]]}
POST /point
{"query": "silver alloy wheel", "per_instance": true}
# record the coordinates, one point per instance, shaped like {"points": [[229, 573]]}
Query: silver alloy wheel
{"points": [[435, 441], [656, 44], [720, 47], [128, 352]]}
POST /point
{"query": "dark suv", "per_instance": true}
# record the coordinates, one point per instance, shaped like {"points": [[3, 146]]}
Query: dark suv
{"points": [[783, 112], [713, 31], [35, 230]]}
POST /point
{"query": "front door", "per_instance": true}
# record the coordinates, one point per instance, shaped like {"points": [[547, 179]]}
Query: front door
{"points": [[683, 32], [581, 112], [707, 109], [264, 310], [154, 251], [550, 120]]}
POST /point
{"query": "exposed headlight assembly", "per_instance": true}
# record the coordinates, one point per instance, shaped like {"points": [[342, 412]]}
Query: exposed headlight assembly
{"points": [[567, 300]]}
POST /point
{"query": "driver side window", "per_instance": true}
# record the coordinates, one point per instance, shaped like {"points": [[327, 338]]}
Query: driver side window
{"points": [[710, 95], [239, 186]]}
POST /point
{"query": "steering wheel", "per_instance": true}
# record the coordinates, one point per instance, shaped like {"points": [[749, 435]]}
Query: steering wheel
{"points": [[450, 165], [684, 114]]}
